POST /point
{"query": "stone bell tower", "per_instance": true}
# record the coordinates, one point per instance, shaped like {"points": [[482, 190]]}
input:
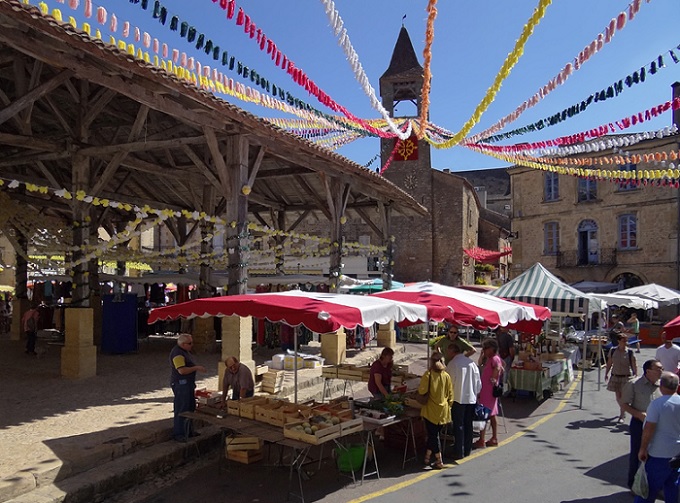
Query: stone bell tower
{"points": [[401, 92]]}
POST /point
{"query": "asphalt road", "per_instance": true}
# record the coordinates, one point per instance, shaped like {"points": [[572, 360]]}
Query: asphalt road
{"points": [[554, 452]]}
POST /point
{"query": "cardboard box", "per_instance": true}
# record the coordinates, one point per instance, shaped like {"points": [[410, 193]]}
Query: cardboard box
{"points": [[289, 362], [312, 364]]}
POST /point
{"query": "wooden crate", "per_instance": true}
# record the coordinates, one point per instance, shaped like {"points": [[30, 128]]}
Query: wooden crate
{"points": [[349, 426], [272, 381], [288, 413], [350, 373], [329, 371], [247, 406], [245, 457], [263, 411], [318, 437], [243, 444], [233, 407]]}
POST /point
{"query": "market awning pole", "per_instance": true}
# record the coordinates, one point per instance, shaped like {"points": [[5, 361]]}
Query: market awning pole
{"points": [[295, 363], [583, 357], [599, 355]]}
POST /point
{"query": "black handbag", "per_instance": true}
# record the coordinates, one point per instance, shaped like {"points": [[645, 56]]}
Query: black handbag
{"points": [[497, 391]]}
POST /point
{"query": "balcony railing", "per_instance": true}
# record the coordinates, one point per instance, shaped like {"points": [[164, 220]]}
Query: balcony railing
{"points": [[577, 258]]}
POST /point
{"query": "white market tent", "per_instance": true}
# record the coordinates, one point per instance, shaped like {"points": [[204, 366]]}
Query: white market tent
{"points": [[539, 286], [664, 296], [595, 286], [631, 301]]}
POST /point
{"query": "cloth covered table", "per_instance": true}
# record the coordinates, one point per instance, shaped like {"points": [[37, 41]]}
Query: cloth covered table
{"points": [[538, 381]]}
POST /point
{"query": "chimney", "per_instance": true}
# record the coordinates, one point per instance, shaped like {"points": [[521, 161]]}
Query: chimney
{"points": [[676, 94], [447, 170]]}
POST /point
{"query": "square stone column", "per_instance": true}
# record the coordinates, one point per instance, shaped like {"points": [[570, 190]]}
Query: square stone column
{"points": [[19, 307], [387, 336], [203, 335], [334, 347], [79, 354], [237, 340]]}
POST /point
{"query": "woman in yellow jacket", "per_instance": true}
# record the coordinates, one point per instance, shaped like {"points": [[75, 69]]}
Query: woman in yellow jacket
{"points": [[436, 384]]}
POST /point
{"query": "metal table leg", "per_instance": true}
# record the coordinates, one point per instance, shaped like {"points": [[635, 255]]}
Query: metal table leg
{"points": [[410, 432], [370, 445], [297, 461]]}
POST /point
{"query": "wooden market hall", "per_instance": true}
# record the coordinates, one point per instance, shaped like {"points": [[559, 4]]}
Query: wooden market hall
{"points": [[82, 116]]}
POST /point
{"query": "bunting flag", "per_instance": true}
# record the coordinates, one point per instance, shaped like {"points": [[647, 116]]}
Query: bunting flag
{"points": [[504, 72], [616, 24], [427, 62], [486, 256], [297, 74], [614, 90], [358, 70], [602, 130]]}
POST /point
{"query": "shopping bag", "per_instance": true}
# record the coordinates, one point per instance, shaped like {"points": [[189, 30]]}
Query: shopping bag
{"points": [[640, 485]]}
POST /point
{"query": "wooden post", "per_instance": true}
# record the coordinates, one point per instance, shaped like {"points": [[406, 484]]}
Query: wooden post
{"points": [[204, 334], [237, 213], [388, 260], [207, 228], [337, 195], [20, 303], [279, 220], [79, 354], [81, 232]]}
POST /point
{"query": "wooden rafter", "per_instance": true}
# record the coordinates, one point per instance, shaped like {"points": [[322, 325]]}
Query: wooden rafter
{"points": [[34, 94]]}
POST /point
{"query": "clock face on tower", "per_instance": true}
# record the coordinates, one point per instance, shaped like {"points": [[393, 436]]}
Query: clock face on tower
{"points": [[411, 181]]}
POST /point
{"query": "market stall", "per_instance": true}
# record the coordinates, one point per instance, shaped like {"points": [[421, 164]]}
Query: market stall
{"points": [[470, 308], [539, 286], [324, 313]]}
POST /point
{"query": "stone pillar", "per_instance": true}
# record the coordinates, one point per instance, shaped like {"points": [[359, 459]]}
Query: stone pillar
{"points": [[204, 335], [237, 337], [334, 347], [387, 336], [79, 355]]}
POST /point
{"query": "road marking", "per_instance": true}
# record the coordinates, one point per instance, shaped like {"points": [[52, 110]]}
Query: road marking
{"points": [[475, 455]]}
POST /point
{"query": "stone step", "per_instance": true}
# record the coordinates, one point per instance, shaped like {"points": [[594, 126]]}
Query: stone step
{"points": [[77, 457], [106, 479]]}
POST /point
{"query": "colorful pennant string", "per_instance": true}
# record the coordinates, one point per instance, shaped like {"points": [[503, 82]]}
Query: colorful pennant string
{"points": [[297, 74], [427, 72], [616, 24], [602, 130], [614, 90], [358, 70], [504, 72]]}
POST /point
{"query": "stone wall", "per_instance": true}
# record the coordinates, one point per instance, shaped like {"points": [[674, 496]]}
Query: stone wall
{"points": [[656, 210]]}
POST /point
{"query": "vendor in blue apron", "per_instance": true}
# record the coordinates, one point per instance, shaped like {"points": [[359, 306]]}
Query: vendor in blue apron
{"points": [[183, 383]]}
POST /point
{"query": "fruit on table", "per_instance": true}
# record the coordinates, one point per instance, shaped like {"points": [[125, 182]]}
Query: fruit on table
{"points": [[335, 420], [308, 431]]}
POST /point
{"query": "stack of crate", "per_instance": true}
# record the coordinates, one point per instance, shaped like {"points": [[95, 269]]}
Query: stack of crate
{"points": [[244, 450], [272, 381]]}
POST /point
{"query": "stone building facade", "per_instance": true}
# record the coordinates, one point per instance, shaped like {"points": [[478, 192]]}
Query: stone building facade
{"points": [[430, 247], [597, 230]]}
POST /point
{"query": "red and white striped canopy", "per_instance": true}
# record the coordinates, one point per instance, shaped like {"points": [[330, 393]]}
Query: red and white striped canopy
{"points": [[470, 308], [319, 312]]}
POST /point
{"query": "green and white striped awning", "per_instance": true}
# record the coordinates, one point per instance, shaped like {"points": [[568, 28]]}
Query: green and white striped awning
{"points": [[539, 286]]}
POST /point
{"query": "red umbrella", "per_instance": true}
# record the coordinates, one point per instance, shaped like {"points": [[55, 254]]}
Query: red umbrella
{"points": [[319, 312], [673, 327], [472, 308]]}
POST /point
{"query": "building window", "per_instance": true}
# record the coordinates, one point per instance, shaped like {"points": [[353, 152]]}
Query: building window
{"points": [[587, 190], [551, 190], [628, 184], [551, 238], [627, 232]]}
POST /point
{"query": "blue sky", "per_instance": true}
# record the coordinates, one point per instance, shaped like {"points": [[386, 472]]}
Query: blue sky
{"points": [[471, 40]]}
